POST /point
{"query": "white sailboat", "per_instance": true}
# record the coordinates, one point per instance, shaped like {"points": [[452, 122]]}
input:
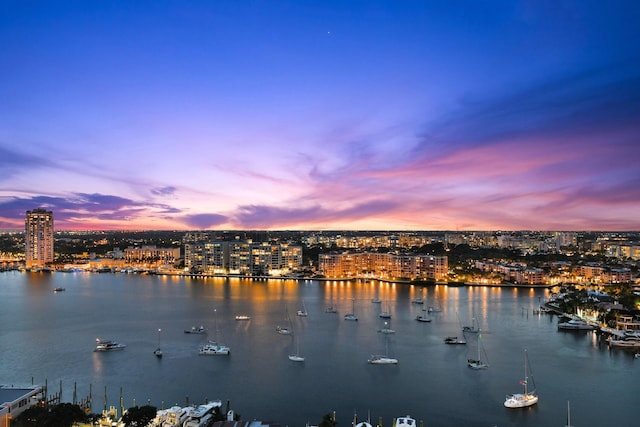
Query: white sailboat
{"points": [[352, 315], [214, 348], [527, 398], [286, 329], [158, 351], [383, 359], [296, 356], [480, 362]]}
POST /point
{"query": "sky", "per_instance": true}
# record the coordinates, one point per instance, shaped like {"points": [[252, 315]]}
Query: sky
{"points": [[321, 115]]}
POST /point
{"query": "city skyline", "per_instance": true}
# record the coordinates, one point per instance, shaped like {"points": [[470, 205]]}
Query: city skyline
{"points": [[321, 115]]}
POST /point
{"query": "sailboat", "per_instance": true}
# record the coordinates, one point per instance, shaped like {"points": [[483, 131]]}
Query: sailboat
{"points": [[424, 317], [352, 315], [527, 398], [331, 308], [212, 348], [158, 351], [383, 359], [473, 328], [479, 362], [386, 314], [296, 357], [303, 312], [286, 329]]}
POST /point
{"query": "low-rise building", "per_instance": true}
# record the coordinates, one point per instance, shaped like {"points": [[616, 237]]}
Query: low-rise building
{"points": [[15, 400]]}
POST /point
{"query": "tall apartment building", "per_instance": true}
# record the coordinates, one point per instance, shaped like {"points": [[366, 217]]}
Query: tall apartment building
{"points": [[241, 257], [38, 230]]}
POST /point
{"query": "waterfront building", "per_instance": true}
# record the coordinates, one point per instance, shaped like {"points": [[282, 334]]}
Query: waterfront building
{"points": [[15, 400], [150, 254], [384, 266], [246, 258], [38, 249]]}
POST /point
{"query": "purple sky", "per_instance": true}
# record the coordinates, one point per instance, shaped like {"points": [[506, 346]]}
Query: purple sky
{"points": [[424, 115]]}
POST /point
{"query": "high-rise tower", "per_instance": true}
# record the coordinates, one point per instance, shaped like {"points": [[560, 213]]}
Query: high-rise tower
{"points": [[38, 230]]}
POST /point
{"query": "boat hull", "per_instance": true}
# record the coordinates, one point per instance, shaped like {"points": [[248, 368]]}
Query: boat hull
{"points": [[381, 360], [520, 400]]}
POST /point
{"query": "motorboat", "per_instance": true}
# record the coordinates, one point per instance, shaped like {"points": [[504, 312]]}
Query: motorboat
{"points": [[434, 309], [59, 290], [454, 340], [108, 345], [283, 330], [526, 398], [417, 301], [213, 349], [243, 317], [405, 421], [576, 325], [202, 415], [303, 312], [627, 342], [196, 330], [330, 309]]}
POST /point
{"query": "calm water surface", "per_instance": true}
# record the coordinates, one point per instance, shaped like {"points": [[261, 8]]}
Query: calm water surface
{"points": [[50, 336]]}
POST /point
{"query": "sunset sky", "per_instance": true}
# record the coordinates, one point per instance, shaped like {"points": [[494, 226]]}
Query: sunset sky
{"points": [[376, 115]]}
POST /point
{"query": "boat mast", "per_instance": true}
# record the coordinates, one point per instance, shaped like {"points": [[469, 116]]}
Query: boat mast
{"points": [[526, 378]]}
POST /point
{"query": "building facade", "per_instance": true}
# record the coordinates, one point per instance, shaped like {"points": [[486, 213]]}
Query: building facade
{"points": [[38, 228], [384, 266], [243, 258]]}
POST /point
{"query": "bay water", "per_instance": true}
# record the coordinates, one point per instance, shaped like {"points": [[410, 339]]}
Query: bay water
{"points": [[50, 336]]}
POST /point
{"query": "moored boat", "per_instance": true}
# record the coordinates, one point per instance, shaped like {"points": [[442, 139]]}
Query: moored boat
{"points": [[352, 316], [405, 421], [454, 340], [576, 325], [423, 318], [377, 359], [627, 342], [108, 345], [243, 317], [527, 397], [212, 348], [196, 330], [480, 362]]}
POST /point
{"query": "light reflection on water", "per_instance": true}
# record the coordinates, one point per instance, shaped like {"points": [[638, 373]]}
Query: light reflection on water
{"points": [[51, 336]]}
